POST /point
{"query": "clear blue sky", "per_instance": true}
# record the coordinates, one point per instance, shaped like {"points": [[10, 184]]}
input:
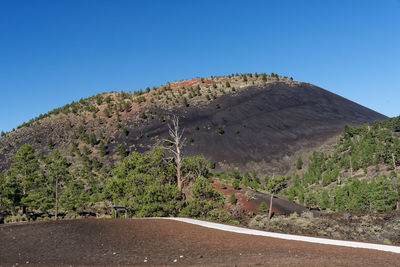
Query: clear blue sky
{"points": [[54, 52]]}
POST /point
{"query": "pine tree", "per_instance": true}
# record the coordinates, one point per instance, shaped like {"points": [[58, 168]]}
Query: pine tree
{"points": [[264, 77], [233, 199], [185, 102], [103, 149], [57, 170], [25, 173], [325, 201], [123, 152], [263, 207], [5, 193], [299, 164]]}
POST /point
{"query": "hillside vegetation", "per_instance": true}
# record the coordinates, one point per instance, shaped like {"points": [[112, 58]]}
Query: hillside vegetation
{"points": [[143, 183], [361, 172], [255, 122], [248, 130]]}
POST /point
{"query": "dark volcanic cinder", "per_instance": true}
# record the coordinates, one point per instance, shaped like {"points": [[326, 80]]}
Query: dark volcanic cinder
{"points": [[262, 127]]}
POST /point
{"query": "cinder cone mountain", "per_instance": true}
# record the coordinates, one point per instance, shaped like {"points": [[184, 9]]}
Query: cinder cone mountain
{"points": [[254, 122]]}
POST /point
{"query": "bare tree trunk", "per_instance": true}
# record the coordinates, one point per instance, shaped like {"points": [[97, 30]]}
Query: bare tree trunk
{"points": [[56, 211], [179, 176], [177, 144], [270, 207], [24, 194], [394, 161], [351, 168], [178, 162]]}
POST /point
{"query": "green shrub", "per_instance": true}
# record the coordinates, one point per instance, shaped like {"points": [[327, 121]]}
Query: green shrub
{"points": [[299, 164], [263, 207], [205, 199], [125, 130], [236, 184], [233, 199], [185, 102]]}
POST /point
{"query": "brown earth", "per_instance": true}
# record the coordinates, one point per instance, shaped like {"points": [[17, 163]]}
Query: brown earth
{"points": [[250, 200], [162, 242]]}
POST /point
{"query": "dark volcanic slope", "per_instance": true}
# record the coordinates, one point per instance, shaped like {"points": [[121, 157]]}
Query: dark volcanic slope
{"points": [[94, 242], [266, 126], [273, 122]]}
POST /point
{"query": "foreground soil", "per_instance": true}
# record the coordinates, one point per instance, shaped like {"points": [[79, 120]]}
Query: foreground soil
{"points": [[163, 242]]}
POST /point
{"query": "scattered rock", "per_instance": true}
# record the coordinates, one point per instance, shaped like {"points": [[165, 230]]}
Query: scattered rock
{"points": [[346, 216]]}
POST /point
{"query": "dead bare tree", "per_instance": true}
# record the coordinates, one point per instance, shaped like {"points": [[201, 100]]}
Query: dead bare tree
{"points": [[177, 143], [270, 203]]}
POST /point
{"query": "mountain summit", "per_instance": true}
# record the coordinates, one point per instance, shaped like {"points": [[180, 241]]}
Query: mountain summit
{"points": [[255, 122]]}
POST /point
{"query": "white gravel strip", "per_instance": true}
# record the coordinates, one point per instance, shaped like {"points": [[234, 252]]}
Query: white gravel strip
{"points": [[240, 230]]}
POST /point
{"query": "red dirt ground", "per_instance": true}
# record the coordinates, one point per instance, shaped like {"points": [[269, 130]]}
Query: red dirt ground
{"points": [[152, 242], [240, 196]]}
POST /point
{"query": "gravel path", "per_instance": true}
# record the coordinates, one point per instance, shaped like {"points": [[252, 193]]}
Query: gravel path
{"points": [[324, 241]]}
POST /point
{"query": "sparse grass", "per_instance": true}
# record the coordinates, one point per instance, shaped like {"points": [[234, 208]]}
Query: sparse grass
{"points": [[377, 228]]}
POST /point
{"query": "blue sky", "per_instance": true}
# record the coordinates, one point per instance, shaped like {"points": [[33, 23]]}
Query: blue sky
{"points": [[55, 52]]}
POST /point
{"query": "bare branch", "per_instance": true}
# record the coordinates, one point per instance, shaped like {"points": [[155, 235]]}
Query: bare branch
{"points": [[176, 149]]}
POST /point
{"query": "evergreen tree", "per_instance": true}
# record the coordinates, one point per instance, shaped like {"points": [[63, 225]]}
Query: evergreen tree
{"points": [[123, 152], [264, 77], [299, 164], [233, 199], [185, 102], [6, 202], [25, 173], [103, 149], [325, 201], [381, 194], [205, 199], [57, 170], [263, 207], [146, 185]]}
